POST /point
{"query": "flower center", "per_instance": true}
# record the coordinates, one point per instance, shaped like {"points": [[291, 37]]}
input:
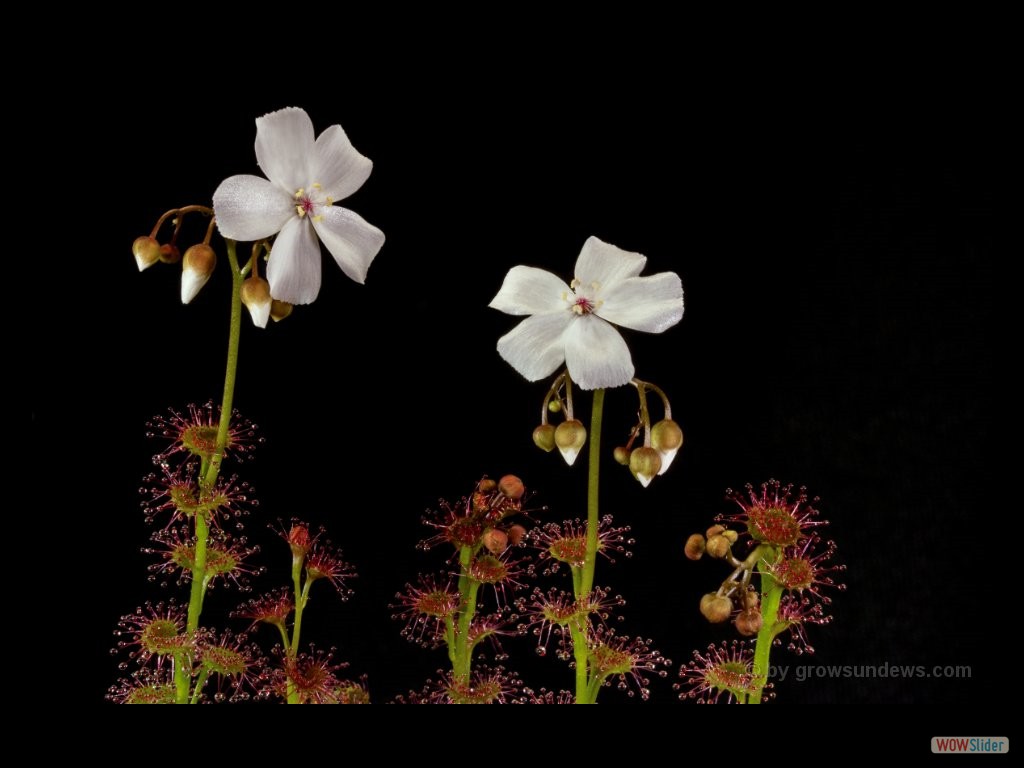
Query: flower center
{"points": [[308, 200], [583, 299]]}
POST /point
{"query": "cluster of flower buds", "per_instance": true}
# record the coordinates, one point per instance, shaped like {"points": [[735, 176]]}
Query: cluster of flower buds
{"points": [[199, 260], [779, 532], [660, 444], [661, 440]]}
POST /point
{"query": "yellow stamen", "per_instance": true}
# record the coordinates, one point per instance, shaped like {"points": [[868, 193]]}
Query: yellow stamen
{"points": [[301, 210], [300, 193]]}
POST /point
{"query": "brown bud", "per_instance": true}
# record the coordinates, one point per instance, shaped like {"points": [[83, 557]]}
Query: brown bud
{"points": [[169, 253], [516, 534], [487, 485], [495, 540], [718, 546], [256, 296], [570, 437], [621, 455], [715, 608], [644, 463], [279, 310], [512, 486], [748, 622], [666, 436], [731, 535], [544, 437], [749, 598], [694, 548], [197, 265], [714, 530], [146, 251]]}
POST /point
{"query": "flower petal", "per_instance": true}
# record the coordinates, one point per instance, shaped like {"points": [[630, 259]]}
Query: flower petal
{"points": [[530, 291], [596, 354], [250, 208], [294, 266], [535, 347], [336, 166], [651, 304], [600, 262], [284, 147], [351, 240]]}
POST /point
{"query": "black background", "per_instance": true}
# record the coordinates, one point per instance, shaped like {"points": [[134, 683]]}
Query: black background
{"points": [[836, 255]]}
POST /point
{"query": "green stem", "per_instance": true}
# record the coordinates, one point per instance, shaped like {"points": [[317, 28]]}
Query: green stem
{"points": [[585, 692], [200, 682], [771, 595], [182, 675], [468, 588]]}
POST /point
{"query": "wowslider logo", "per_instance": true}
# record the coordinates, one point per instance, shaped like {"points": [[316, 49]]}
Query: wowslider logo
{"points": [[976, 745]]}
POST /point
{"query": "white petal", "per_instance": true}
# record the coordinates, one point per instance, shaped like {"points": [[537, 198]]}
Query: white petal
{"points": [[569, 454], [336, 166], [605, 264], [530, 291], [351, 240], [651, 304], [260, 313], [535, 347], [667, 457], [596, 355], [293, 270], [284, 147], [250, 208], [192, 281]]}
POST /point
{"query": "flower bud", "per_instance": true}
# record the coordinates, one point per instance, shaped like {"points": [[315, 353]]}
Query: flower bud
{"points": [[495, 540], [621, 455], [570, 437], [196, 267], [715, 608], [555, 405], [749, 598], [279, 310], [644, 463], [256, 296], [667, 439], [169, 253], [714, 530], [146, 251], [718, 546], [544, 437], [486, 485], [694, 548], [731, 535], [511, 486], [748, 622], [516, 533]]}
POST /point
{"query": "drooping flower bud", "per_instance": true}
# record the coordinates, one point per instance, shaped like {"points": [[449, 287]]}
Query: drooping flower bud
{"points": [[516, 534], [666, 439], [544, 437], [496, 540], [748, 622], [146, 251], [169, 253], [715, 608], [718, 546], [570, 437], [555, 405], [512, 486], [694, 548], [621, 455], [279, 310], [196, 267], [256, 297], [644, 463], [487, 485], [714, 530]]}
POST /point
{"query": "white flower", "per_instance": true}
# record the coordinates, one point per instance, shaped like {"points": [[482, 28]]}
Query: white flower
{"points": [[306, 177], [573, 323]]}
